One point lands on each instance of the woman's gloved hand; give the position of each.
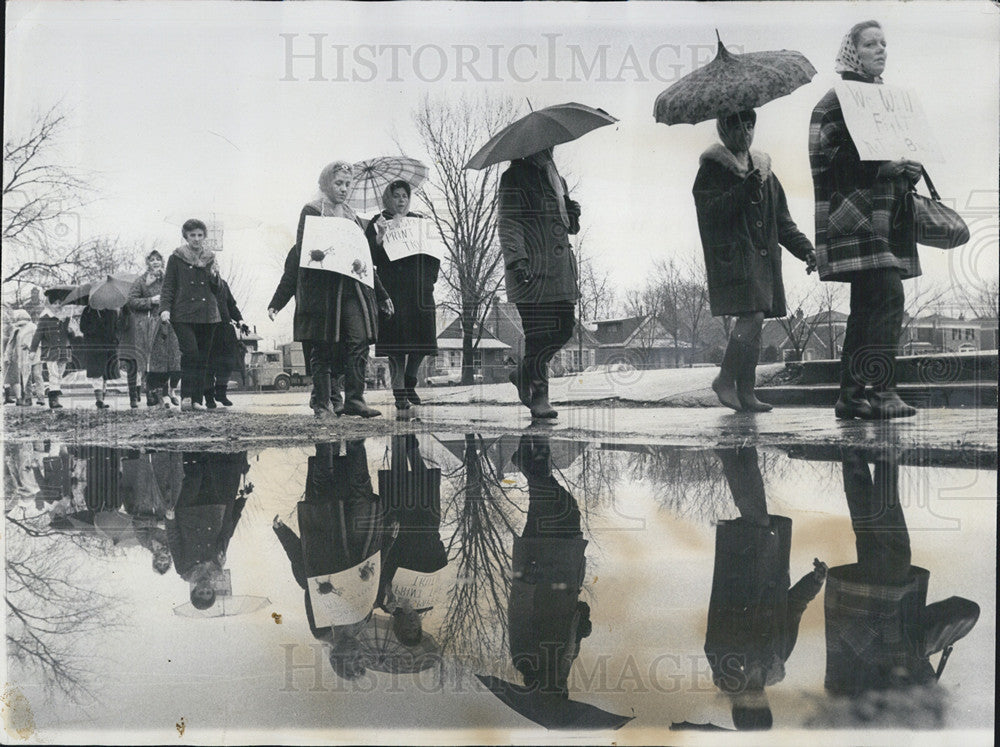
(522, 272)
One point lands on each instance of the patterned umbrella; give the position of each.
(539, 130)
(732, 83)
(372, 176)
(386, 654)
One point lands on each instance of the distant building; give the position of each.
(945, 334)
(825, 332)
(641, 341)
(581, 350)
(490, 356)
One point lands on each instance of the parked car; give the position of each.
(451, 377)
(608, 368)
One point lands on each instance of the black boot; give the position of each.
(887, 405)
(852, 402)
(210, 399)
(152, 397)
(134, 393)
(354, 388)
(746, 379)
(410, 384)
(521, 381)
(724, 385)
(321, 400)
(221, 391)
(54, 400)
(101, 404)
(336, 395)
(402, 401)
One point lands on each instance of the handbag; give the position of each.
(935, 223)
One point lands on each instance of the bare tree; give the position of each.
(830, 297)
(463, 206)
(922, 297)
(598, 298)
(693, 301)
(982, 298)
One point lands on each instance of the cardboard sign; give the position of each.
(337, 245)
(886, 123)
(413, 590)
(345, 597)
(407, 236)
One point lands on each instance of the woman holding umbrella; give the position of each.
(743, 217)
(411, 333)
(154, 342)
(857, 240)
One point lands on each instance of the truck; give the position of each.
(278, 369)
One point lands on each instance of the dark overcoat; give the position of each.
(318, 294)
(861, 220)
(740, 235)
(410, 284)
(530, 228)
(98, 350)
(149, 341)
(227, 351)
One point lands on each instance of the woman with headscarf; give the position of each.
(535, 218)
(858, 240)
(188, 303)
(154, 341)
(411, 333)
(743, 217)
(337, 315)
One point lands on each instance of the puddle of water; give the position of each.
(456, 581)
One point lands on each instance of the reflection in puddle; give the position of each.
(450, 580)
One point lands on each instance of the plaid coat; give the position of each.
(859, 220)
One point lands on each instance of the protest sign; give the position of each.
(345, 597)
(413, 590)
(338, 245)
(886, 123)
(407, 236)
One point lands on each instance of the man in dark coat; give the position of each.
(753, 615)
(744, 221)
(880, 631)
(341, 528)
(535, 219)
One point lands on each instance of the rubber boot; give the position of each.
(410, 384)
(321, 404)
(354, 389)
(746, 379)
(519, 378)
(887, 405)
(540, 406)
(210, 399)
(99, 398)
(134, 393)
(336, 395)
(852, 402)
(402, 401)
(152, 397)
(724, 385)
(221, 392)
(54, 400)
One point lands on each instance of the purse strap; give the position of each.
(930, 185)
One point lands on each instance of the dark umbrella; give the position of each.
(732, 83)
(539, 130)
(112, 292)
(552, 710)
(59, 293)
(79, 294)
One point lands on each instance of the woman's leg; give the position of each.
(321, 358)
(354, 354)
(397, 369)
(131, 367)
(885, 322)
(54, 388)
(747, 335)
(852, 402)
(724, 385)
(413, 361)
(37, 383)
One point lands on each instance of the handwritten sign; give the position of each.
(886, 122)
(345, 597)
(407, 236)
(337, 245)
(413, 590)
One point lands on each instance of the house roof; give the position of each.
(616, 331)
(450, 338)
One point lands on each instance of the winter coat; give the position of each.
(227, 351)
(151, 482)
(17, 355)
(98, 351)
(740, 236)
(188, 292)
(530, 228)
(51, 339)
(318, 294)
(753, 615)
(410, 284)
(149, 341)
(859, 223)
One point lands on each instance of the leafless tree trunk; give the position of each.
(463, 205)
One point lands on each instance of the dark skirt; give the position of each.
(98, 360)
(413, 327)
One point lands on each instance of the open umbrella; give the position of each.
(79, 294)
(59, 292)
(540, 130)
(225, 606)
(732, 83)
(112, 292)
(384, 653)
(551, 710)
(373, 175)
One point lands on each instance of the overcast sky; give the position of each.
(185, 108)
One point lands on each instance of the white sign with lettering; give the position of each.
(337, 245)
(886, 122)
(407, 236)
(345, 597)
(413, 590)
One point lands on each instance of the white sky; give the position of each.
(180, 108)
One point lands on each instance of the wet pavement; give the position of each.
(477, 582)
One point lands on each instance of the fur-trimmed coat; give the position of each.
(740, 234)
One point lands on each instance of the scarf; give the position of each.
(328, 209)
(204, 258)
(848, 61)
(153, 276)
(543, 162)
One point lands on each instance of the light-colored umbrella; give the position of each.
(386, 654)
(732, 83)
(225, 606)
(373, 175)
(538, 131)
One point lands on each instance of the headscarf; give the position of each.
(387, 194)
(848, 60)
(543, 161)
(152, 275)
(322, 203)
